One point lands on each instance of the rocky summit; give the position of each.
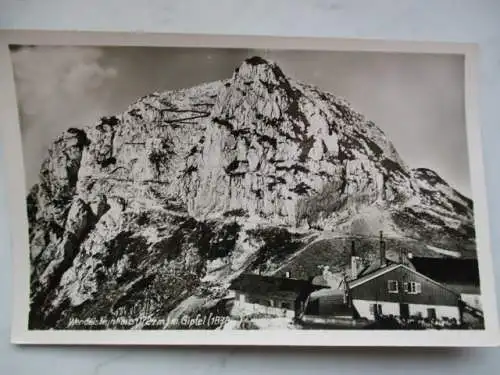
(155, 210)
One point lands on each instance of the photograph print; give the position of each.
(173, 188)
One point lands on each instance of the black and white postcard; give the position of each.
(245, 191)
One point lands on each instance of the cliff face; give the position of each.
(169, 200)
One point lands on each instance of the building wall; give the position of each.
(242, 306)
(449, 312)
(391, 308)
(363, 307)
(431, 293)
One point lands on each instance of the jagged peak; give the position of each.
(257, 60)
(258, 67)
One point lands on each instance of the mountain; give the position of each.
(153, 211)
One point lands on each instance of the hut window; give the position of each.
(413, 287)
(392, 286)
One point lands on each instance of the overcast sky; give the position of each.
(416, 99)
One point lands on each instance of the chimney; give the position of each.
(401, 256)
(354, 261)
(383, 261)
(345, 286)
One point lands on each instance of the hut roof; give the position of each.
(276, 286)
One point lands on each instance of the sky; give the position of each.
(416, 99)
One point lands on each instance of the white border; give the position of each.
(12, 156)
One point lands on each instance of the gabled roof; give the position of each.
(375, 266)
(373, 274)
(384, 270)
(270, 285)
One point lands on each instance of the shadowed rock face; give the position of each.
(173, 198)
